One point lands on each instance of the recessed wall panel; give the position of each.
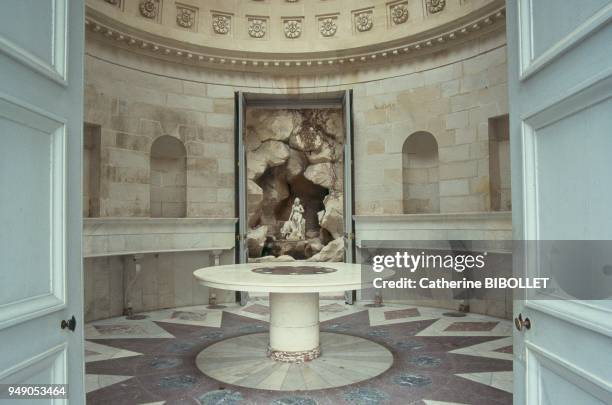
(562, 21)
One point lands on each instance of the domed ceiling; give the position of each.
(298, 34)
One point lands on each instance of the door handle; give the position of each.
(522, 324)
(70, 324)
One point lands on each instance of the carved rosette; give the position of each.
(328, 27)
(185, 17)
(148, 8)
(363, 21)
(399, 13)
(222, 24)
(257, 28)
(293, 357)
(435, 6)
(292, 28)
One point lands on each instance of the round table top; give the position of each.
(279, 277)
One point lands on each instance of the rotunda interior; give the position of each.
(292, 131)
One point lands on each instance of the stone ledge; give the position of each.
(123, 236)
(444, 226)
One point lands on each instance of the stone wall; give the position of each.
(162, 280)
(133, 109)
(451, 94)
(454, 103)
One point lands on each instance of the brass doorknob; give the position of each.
(522, 324)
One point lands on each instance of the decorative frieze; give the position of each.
(186, 16)
(363, 20)
(399, 13)
(328, 26)
(435, 6)
(150, 9)
(257, 27)
(292, 28)
(222, 24)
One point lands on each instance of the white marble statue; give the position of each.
(295, 227)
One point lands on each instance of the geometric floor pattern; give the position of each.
(436, 359)
(345, 360)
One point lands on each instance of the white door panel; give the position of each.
(43, 48)
(560, 85)
(39, 289)
(41, 118)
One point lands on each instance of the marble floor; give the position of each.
(437, 358)
(345, 360)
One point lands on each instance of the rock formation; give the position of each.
(294, 154)
(332, 252)
(256, 239)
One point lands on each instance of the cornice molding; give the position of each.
(100, 27)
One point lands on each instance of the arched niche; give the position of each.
(168, 178)
(420, 174)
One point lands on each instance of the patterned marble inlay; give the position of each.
(179, 347)
(242, 362)
(411, 380)
(426, 361)
(294, 400)
(402, 313)
(165, 363)
(471, 326)
(332, 308)
(257, 309)
(214, 335)
(501, 379)
(293, 270)
(366, 396)
(121, 329)
(494, 349)
(189, 316)
(218, 397)
(430, 365)
(177, 382)
(410, 345)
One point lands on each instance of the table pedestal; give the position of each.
(294, 327)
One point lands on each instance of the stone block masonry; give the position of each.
(133, 109)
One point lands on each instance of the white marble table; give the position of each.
(294, 289)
